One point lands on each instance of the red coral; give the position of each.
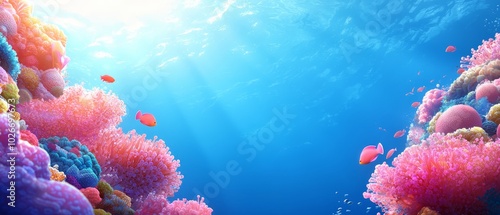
(29, 137)
(92, 195)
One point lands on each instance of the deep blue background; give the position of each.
(221, 68)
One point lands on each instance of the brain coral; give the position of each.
(456, 117)
(469, 80)
(74, 159)
(8, 25)
(35, 193)
(29, 79)
(488, 90)
(53, 81)
(445, 173)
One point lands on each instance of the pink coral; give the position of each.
(8, 25)
(445, 173)
(430, 105)
(29, 137)
(78, 114)
(456, 117)
(53, 81)
(489, 50)
(488, 90)
(157, 204)
(138, 165)
(415, 134)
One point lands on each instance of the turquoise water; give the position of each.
(267, 104)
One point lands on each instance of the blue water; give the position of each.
(268, 104)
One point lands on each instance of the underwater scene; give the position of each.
(239, 107)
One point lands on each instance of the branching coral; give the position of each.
(158, 204)
(430, 105)
(75, 111)
(137, 165)
(445, 173)
(489, 50)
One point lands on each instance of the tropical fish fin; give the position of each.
(138, 114)
(380, 149)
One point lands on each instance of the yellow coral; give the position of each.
(4, 106)
(16, 116)
(11, 93)
(472, 134)
(29, 79)
(494, 114)
(100, 212)
(432, 124)
(469, 80)
(55, 175)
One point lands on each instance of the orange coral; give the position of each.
(55, 175)
(34, 40)
(427, 211)
(123, 197)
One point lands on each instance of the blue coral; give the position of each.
(74, 159)
(8, 58)
(490, 127)
(492, 201)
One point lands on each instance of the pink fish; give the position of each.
(415, 104)
(146, 119)
(370, 153)
(450, 49)
(390, 153)
(399, 133)
(460, 71)
(420, 89)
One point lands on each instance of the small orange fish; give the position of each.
(146, 119)
(107, 78)
(415, 104)
(450, 49)
(460, 71)
(390, 153)
(370, 153)
(420, 89)
(399, 133)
